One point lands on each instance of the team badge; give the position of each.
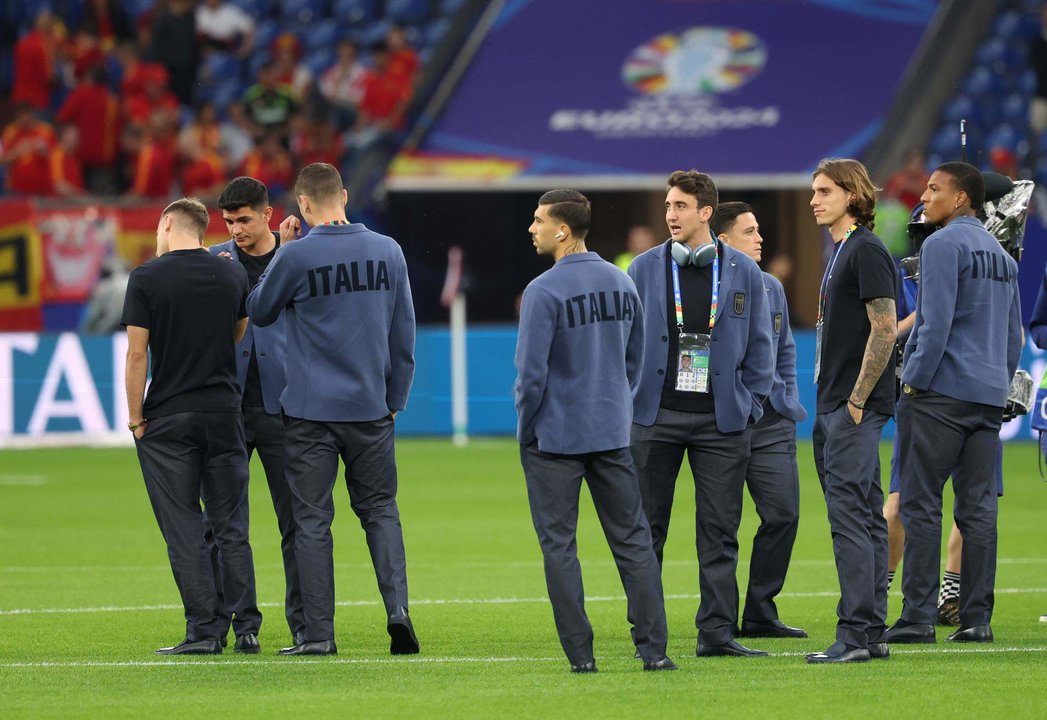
(739, 303)
(777, 323)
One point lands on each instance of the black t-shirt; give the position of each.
(190, 301)
(255, 265)
(696, 292)
(863, 271)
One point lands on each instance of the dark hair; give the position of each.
(190, 215)
(726, 214)
(695, 183)
(966, 178)
(244, 192)
(571, 208)
(320, 182)
(852, 176)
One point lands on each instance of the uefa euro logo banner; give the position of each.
(630, 89)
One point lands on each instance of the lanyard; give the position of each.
(716, 291)
(829, 273)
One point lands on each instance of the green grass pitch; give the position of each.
(86, 596)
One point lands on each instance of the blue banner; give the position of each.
(740, 87)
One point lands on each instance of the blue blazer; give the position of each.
(270, 345)
(578, 357)
(741, 358)
(784, 397)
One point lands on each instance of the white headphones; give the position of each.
(559, 236)
(701, 256)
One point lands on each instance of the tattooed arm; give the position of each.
(879, 351)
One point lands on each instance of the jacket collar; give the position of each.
(338, 229)
(587, 256)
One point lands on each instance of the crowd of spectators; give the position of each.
(135, 105)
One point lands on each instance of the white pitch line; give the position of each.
(23, 479)
(245, 662)
(444, 601)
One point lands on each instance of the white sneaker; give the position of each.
(1043, 618)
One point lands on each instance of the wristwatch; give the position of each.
(134, 426)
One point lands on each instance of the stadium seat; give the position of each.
(410, 12)
(265, 33)
(1007, 136)
(451, 7)
(1026, 83)
(374, 33)
(226, 94)
(355, 12)
(958, 108)
(322, 35)
(303, 11)
(999, 54)
(437, 31)
(218, 66)
(1014, 109)
(1008, 26)
(983, 81)
(319, 59)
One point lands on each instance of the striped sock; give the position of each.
(950, 587)
(890, 579)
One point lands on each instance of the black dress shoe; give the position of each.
(972, 633)
(207, 646)
(839, 653)
(730, 648)
(402, 640)
(773, 629)
(904, 632)
(318, 647)
(879, 651)
(247, 643)
(664, 664)
(637, 655)
(298, 637)
(586, 667)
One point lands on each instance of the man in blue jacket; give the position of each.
(260, 372)
(346, 300)
(772, 476)
(959, 361)
(854, 369)
(705, 301)
(578, 357)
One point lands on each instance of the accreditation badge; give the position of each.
(692, 373)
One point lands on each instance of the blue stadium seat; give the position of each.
(410, 12)
(324, 34)
(372, 34)
(946, 142)
(451, 7)
(1014, 109)
(1026, 83)
(258, 9)
(265, 33)
(355, 12)
(319, 60)
(958, 108)
(983, 81)
(226, 94)
(218, 66)
(303, 11)
(437, 31)
(1008, 26)
(999, 54)
(1007, 136)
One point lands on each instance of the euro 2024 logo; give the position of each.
(678, 74)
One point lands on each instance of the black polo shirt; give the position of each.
(255, 265)
(863, 271)
(190, 301)
(696, 289)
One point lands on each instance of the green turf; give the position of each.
(81, 555)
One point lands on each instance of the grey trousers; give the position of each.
(312, 451)
(264, 434)
(185, 458)
(774, 484)
(718, 462)
(940, 435)
(553, 486)
(847, 457)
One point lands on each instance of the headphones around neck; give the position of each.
(701, 256)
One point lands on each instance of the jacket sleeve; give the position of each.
(275, 289)
(939, 281)
(1038, 321)
(538, 313)
(401, 343)
(757, 367)
(635, 346)
(786, 361)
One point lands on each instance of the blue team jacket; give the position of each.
(346, 301)
(1038, 321)
(967, 338)
(784, 397)
(578, 357)
(741, 358)
(270, 345)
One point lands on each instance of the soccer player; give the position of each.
(578, 357)
(959, 361)
(856, 328)
(706, 300)
(260, 358)
(186, 307)
(350, 364)
(772, 475)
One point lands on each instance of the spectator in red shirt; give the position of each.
(155, 163)
(156, 99)
(202, 174)
(386, 95)
(67, 178)
(315, 140)
(403, 60)
(27, 144)
(342, 84)
(290, 71)
(34, 67)
(82, 51)
(907, 185)
(95, 111)
(270, 164)
(137, 75)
